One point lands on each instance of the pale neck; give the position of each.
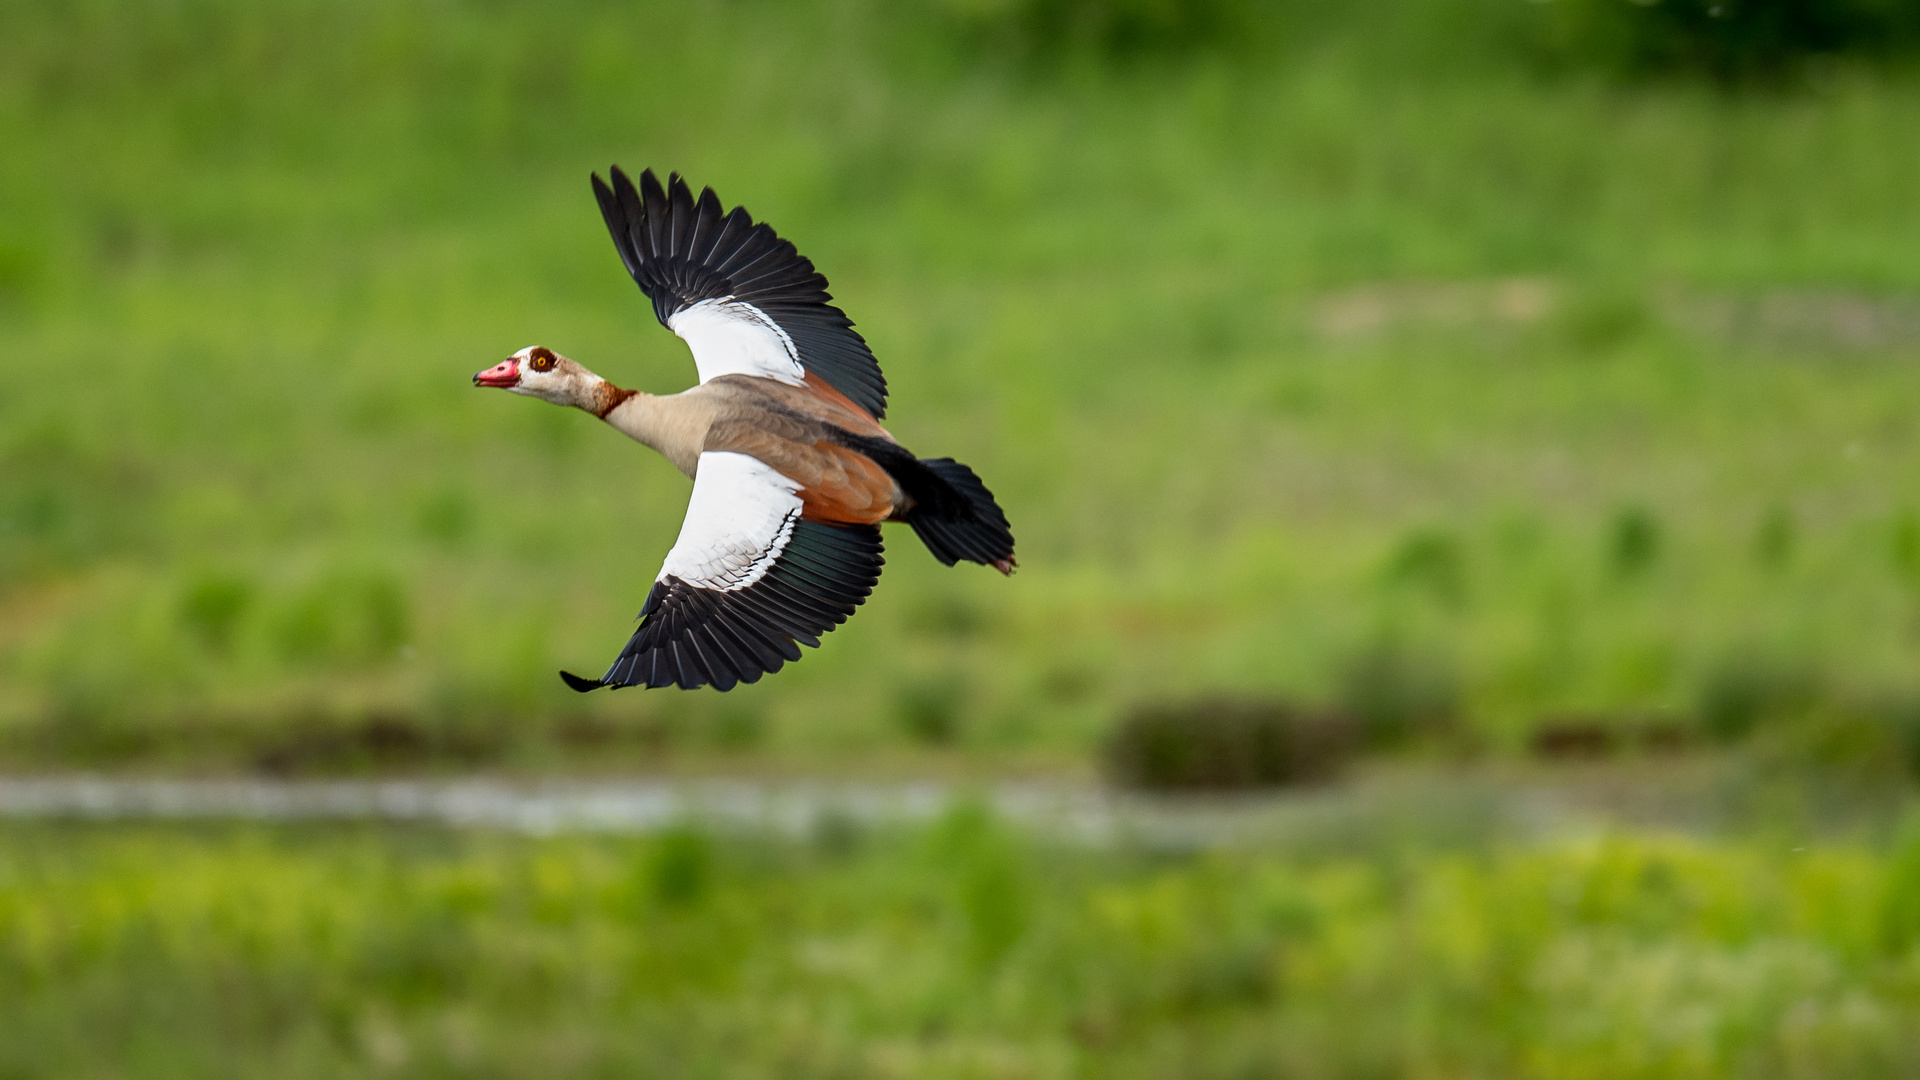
(674, 425)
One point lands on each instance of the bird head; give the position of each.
(537, 371)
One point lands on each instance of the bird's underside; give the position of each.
(793, 473)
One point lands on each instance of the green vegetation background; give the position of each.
(1506, 361)
(959, 950)
(1292, 337)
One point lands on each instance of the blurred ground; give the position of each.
(1424, 944)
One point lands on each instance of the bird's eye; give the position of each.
(542, 360)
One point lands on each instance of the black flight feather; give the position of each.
(681, 250)
(692, 636)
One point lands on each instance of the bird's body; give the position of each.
(792, 471)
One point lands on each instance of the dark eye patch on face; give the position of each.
(542, 359)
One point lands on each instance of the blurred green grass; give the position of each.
(1470, 366)
(958, 949)
(1354, 334)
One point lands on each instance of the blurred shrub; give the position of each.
(63, 499)
(1775, 538)
(20, 274)
(87, 723)
(652, 734)
(1595, 735)
(1068, 682)
(211, 608)
(946, 615)
(1732, 41)
(1903, 545)
(1599, 320)
(344, 618)
(1843, 737)
(378, 741)
(740, 725)
(838, 834)
(1226, 743)
(989, 880)
(446, 517)
(678, 872)
(1740, 694)
(1899, 899)
(930, 709)
(1561, 738)
(1901, 716)
(1633, 541)
(1398, 695)
(1049, 30)
(1430, 560)
(1598, 735)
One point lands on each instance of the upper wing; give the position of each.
(743, 299)
(746, 581)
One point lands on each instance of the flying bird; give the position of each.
(792, 472)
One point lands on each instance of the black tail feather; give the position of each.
(972, 528)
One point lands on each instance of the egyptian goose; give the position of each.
(792, 472)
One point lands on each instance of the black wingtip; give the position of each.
(580, 685)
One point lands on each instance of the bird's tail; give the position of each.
(967, 524)
(953, 512)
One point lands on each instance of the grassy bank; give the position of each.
(1591, 398)
(957, 950)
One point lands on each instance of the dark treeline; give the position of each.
(1730, 41)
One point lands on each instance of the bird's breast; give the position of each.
(676, 425)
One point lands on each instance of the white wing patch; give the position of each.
(729, 337)
(738, 522)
